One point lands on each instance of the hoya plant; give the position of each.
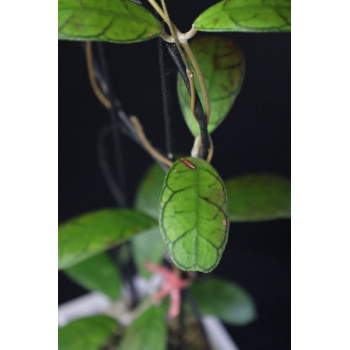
(179, 223)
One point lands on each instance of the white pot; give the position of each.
(97, 303)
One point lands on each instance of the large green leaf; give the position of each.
(246, 16)
(224, 299)
(120, 21)
(92, 233)
(88, 333)
(222, 65)
(193, 217)
(148, 332)
(147, 246)
(147, 195)
(98, 273)
(258, 197)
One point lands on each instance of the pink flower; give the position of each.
(172, 285)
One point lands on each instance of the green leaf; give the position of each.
(258, 197)
(193, 217)
(147, 195)
(222, 65)
(119, 21)
(98, 273)
(224, 299)
(89, 234)
(148, 332)
(88, 333)
(147, 246)
(246, 16)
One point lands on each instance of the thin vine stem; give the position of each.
(118, 153)
(107, 173)
(115, 107)
(147, 144)
(159, 10)
(200, 76)
(176, 35)
(164, 81)
(91, 72)
(202, 119)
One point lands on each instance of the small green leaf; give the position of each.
(148, 332)
(224, 299)
(246, 16)
(147, 246)
(258, 197)
(222, 65)
(88, 333)
(89, 234)
(119, 21)
(98, 273)
(147, 195)
(193, 217)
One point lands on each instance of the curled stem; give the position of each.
(147, 144)
(174, 33)
(92, 77)
(192, 92)
(180, 40)
(201, 80)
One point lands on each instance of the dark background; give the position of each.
(255, 137)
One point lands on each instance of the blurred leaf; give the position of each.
(88, 333)
(119, 21)
(148, 191)
(222, 65)
(147, 246)
(258, 197)
(246, 16)
(224, 299)
(89, 234)
(98, 273)
(148, 332)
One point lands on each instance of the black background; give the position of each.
(255, 137)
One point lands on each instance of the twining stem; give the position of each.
(90, 66)
(174, 33)
(200, 77)
(164, 81)
(159, 11)
(107, 173)
(106, 102)
(147, 144)
(211, 150)
(180, 41)
(192, 92)
(202, 120)
(119, 161)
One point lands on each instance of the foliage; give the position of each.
(98, 273)
(222, 63)
(224, 299)
(194, 215)
(119, 21)
(195, 206)
(88, 333)
(148, 332)
(246, 16)
(89, 234)
(258, 197)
